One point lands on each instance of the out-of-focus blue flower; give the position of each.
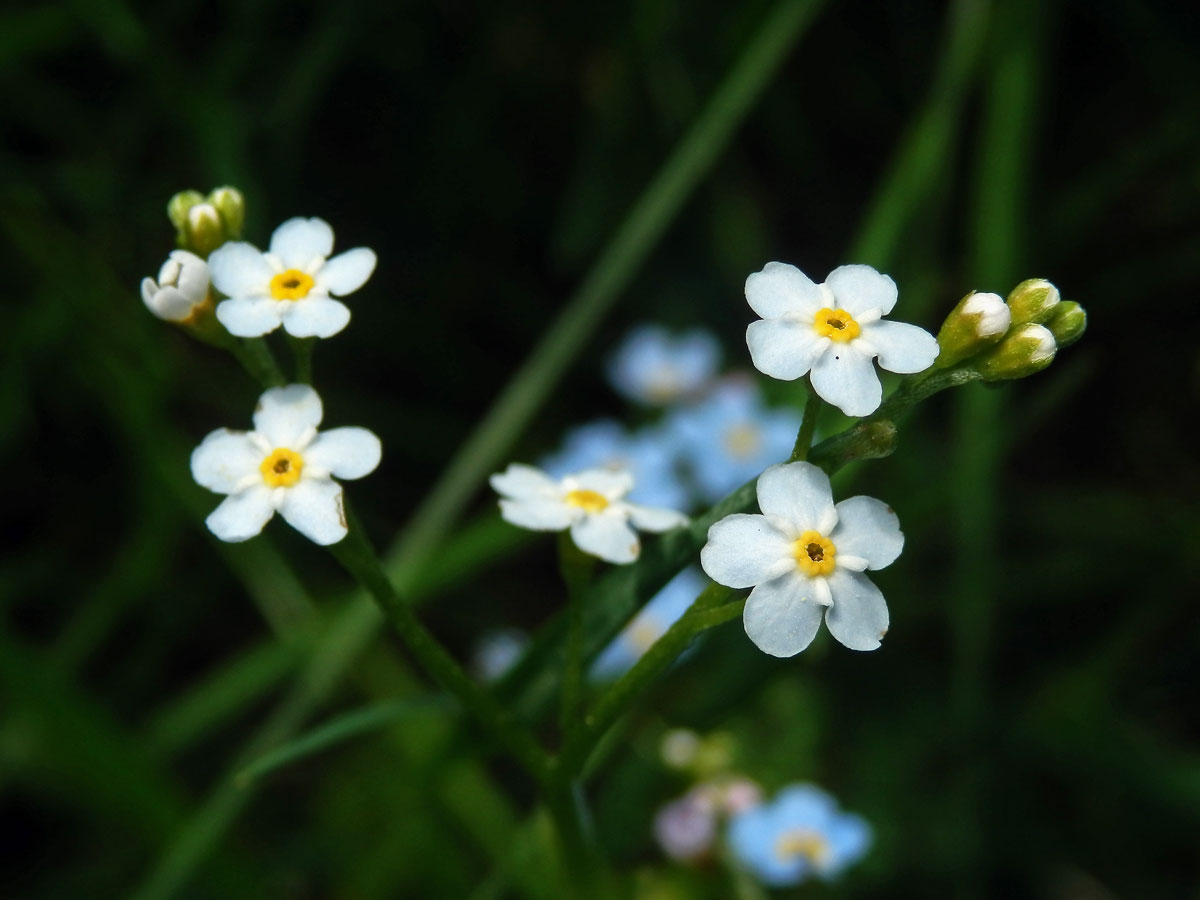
(649, 455)
(663, 611)
(654, 368)
(497, 651)
(799, 834)
(730, 437)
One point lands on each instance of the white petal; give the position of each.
(345, 452)
(797, 492)
(314, 508)
(315, 317)
(782, 348)
(845, 377)
(607, 536)
(285, 414)
(238, 269)
(902, 348)
(224, 459)
(347, 272)
(169, 303)
(868, 528)
(193, 274)
(652, 518)
(249, 316)
(298, 242)
(537, 513)
(781, 617)
(242, 515)
(780, 289)
(860, 288)
(610, 483)
(859, 615)
(744, 550)
(520, 480)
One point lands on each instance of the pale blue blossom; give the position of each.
(655, 368)
(801, 833)
(731, 436)
(648, 454)
(663, 611)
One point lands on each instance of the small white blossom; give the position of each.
(591, 504)
(291, 284)
(181, 288)
(833, 331)
(283, 465)
(805, 557)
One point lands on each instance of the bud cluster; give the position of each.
(202, 224)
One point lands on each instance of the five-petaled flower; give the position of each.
(181, 289)
(804, 557)
(291, 284)
(284, 464)
(799, 834)
(833, 331)
(591, 504)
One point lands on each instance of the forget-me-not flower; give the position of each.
(833, 331)
(651, 623)
(590, 503)
(799, 834)
(730, 436)
(654, 368)
(292, 284)
(805, 557)
(181, 289)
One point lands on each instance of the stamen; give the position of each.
(282, 468)
(291, 285)
(814, 554)
(836, 324)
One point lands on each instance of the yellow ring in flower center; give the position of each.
(802, 842)
(291, 285)
(282, 468)
(836, 324)
(588, 501)
(815, 554)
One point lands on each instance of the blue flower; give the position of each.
(663, 611)
(648, 455)
(653, 368)
(799, 834)
(730, 437)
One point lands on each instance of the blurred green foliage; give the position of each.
(1030, 727)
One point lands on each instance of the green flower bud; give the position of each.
(1032, 301)
(203, 232)
(978, 321)
(178, 206)
(1025, 350)
(231, 206)
(1067, 323)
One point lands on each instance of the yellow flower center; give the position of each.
(291, 285)
(814, 554)
(282, 468)
(742, 441)
(802, 842)
(836, 324)
(588, 501)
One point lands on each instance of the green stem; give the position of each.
(710, 609)
(808, 425)
(576, 568)
(302, 354)
(256, 358)
(587, 873)
(357, 556)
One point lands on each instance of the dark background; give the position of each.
(1029, 729)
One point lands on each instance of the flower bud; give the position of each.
(181, 289)
(178, 206)
(203, 232)
(231, 207)
(978, 321)
(1025, 350)
(1032, 301)
(1067, 323)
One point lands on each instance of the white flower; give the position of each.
(181, 288)
(833, 330)
(804, 557)
(284, 465)
(590, 503)
(289, 285)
